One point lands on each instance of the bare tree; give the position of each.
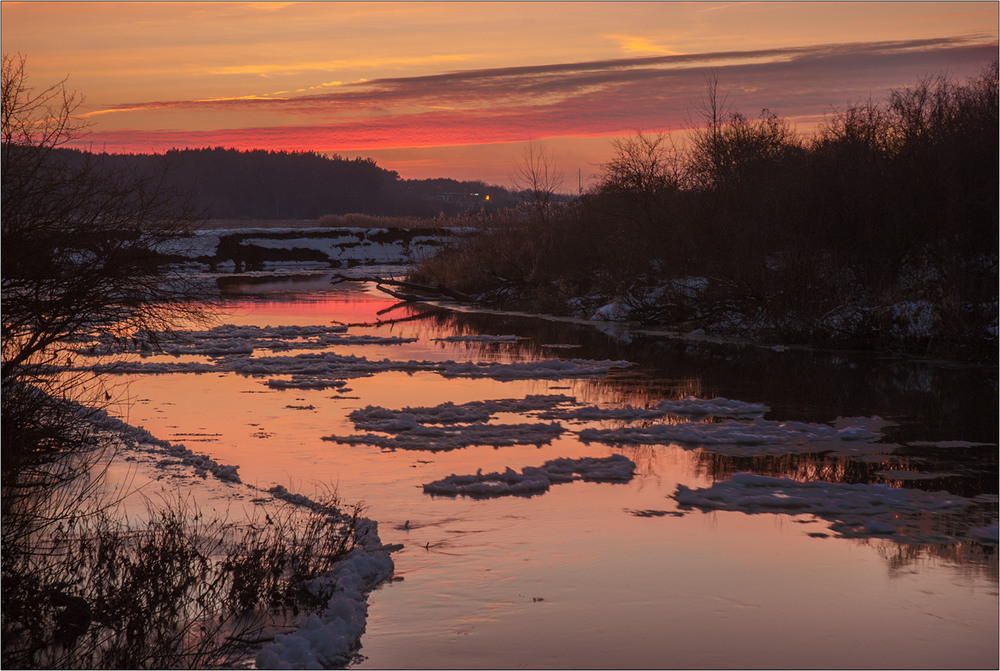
(727, 146)
(535, 174)
(81, 244)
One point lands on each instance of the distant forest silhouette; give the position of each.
(221, 183)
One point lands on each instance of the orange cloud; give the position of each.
(587, 98)
(632, 44)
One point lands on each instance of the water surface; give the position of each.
(603, 575)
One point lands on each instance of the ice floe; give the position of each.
(450, 426)
(947, 443)
(375, 418)
(309, 369)
(689, 406)
(853, 510)
(987, 535)
(454, 436)
(231, 340)
(535, 479)
(778, 437)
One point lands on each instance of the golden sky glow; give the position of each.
(452, 88)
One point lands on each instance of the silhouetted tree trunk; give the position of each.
(80, 251)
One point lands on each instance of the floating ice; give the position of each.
(947, 443)
(231, 340)
(792, 436)
(375, 418)
(451, 437)
(334, 366)
(534, 480)
(987, 535)
(454, 426)
(715, 407)
(689, 406)
(854, 510)
(507, 483)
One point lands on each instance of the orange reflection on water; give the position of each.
(571, 577)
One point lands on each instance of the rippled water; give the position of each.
(594, 574)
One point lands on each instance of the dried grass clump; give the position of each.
(94, 589)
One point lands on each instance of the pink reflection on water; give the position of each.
(569, 578)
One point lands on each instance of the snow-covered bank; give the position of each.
(329, 638)
(257, 248)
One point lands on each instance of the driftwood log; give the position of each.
(408, 291)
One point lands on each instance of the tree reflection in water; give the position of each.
(925, 401)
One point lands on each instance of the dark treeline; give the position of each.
(223, 183)
(878, 231)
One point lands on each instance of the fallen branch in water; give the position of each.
(383, 322)
(429, 293)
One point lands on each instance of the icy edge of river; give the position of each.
(326, 638)
(329, 638)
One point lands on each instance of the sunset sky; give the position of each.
(454, 89)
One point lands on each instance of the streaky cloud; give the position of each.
(565, 99)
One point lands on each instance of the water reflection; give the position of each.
(621, 562)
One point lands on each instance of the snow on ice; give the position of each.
(229, 340)
(853, 510)
(689, 406)
(745, 436)
(454, 436)
(308, 368)
(535, 479)
(449, 426)
(375, 418)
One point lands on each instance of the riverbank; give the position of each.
(877, 232)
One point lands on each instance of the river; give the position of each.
(677, 567)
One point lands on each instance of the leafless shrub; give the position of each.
(173, 590)
(538, 178)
